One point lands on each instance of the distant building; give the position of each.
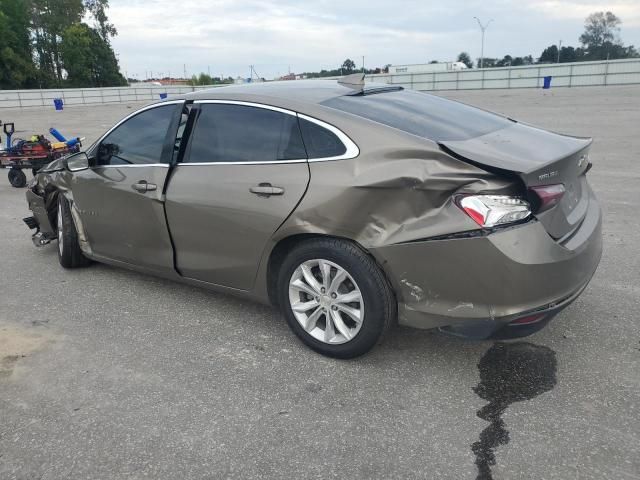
(427, 67)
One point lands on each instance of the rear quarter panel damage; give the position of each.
(399, 190)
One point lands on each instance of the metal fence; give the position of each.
(89, 96)
(613, 72)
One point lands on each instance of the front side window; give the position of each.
(241, 133)
(139, 140)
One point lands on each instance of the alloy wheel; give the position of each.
(326, 301)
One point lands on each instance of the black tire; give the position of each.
(17, 178)
(380, 307)
(69, 253)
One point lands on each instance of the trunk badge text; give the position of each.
(544, 176)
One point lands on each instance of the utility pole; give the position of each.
(184, 69)
(363, 64)
(559, 47)
(482, 29)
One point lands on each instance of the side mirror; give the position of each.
(77, 162)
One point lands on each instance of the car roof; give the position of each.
(306, 91)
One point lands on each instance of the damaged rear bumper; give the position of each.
(481, 286)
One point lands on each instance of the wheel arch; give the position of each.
(286, 244)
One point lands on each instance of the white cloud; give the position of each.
(228, 36)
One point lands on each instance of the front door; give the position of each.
(243, 172)
(120, 199)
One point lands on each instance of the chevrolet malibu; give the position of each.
(349, 206)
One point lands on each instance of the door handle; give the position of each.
(266, 190)
(143, 186)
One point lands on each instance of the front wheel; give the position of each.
(335, 297)
(69, 253)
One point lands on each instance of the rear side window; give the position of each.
(421, 114)
(320, 142)
(240, 133)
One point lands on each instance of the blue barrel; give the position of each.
(163, 96)
(546, 84)
(57, 135)
(58, 103)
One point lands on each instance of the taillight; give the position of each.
(493, 210)
(548, 195)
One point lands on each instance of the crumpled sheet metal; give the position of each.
(391, 196)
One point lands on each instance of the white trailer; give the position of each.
(427, 67)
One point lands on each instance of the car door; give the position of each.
(242, 173)
(120, 198)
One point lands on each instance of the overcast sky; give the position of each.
(274, 35)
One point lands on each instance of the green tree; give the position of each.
(487, 62)
(466, 59)
(600, 28)
(98, 10)
(507, 61)
(205, 79)
(88, 59)
(348, 66)
(549, 55)
(16, 65)
(570, 54)
(49, 19)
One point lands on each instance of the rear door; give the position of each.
(119, 200)
(242, 173)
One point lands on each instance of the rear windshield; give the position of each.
(421, 114)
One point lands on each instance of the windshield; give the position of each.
(421, 114)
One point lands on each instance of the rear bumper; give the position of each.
(476, 286)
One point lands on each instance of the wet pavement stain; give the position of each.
(509, 372)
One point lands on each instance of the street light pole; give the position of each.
(482, 29)
(559, 47)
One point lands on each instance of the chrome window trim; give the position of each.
(143, 109)
(248, 104)
(133, 165)
(352, 149)
(266, 162)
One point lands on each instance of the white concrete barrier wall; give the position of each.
(614, 72)
(89, 96)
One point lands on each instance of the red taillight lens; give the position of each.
(548, 195)
(493, 210)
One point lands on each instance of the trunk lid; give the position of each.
(538, 157)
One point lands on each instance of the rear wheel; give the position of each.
(69, 253)
(17, 178)
(335, 298)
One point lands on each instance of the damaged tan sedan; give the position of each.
(350, 207)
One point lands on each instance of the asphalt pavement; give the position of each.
(106, 373)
